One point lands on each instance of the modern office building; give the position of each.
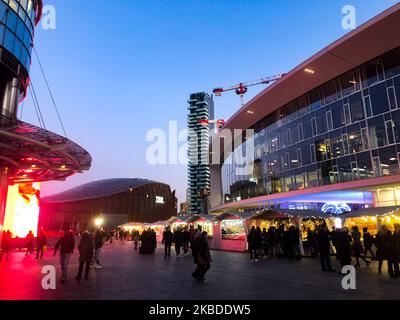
(201, 108)
(117, 201)
(327, 135)
(28, 154)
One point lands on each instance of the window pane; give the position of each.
(348, 82)
(388, 161)
(355, 140)
(338, 116)
(391, 62)
(364, 165)
(356, 107)
(379, 99)
(377, 132)
(330, 92)
(369, 75)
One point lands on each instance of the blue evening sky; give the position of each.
(120, 68)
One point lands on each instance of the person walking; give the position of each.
(168, 238)
(258, 243)
(203, 258)
(5, 244)
(357, 247)
(193, 233)
(153, 236)
(324, 247)
(273, 243)
(85, 248)
(368, 243)
(136, 238)
(98, 244)
(41, 245)
(178, 242)
(384, 243)
(66, 244)
(252, 242)
(29, 243)
(185, 241)
(344, 247)
(264, 243)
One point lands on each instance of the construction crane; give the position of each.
(241, 88)
(220, 122)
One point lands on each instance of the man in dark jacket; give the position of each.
(29, 243)
(98, 244)
(368, 242)
(384, 243)
(178, 241)
(5, 244)
(324, 247)
(66, 244)
(41, 244)
(168, 238)
(85, 255)
(203, 259)
(252, 243)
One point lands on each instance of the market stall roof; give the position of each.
(286, 213)
(196, 217)
(134, 224)
(237, 215)
(183, 218)
(160, 223)
(370, 212)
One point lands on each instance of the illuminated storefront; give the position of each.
(22, 209)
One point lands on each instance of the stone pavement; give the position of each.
(127, 275)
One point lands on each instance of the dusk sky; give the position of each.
(120, 68)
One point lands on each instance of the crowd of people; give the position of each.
(186, 239)
(89, 248)
(343, 243)
(274, 242)
(29, 244)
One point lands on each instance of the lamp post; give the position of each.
(98, 222)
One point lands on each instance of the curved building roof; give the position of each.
(370, 40)
(97, 189)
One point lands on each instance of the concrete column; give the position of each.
(9, 103)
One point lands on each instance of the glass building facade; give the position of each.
(345, 130)
(17, 22)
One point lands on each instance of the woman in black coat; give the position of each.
(358, 247)
(384, 243)
(344, 247)
(253, 242)
(85, 248)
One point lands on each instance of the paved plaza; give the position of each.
(128, 275)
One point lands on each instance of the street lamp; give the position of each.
(98, 222)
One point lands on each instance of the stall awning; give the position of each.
(286, 213)
(207, 217)
(370, 212)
